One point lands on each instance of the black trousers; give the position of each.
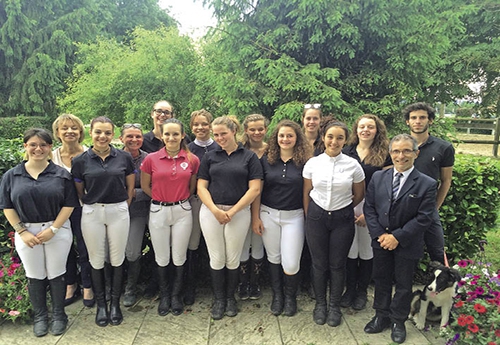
(389, 266)
(434, 239)
(329, 235)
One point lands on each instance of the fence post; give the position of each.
(497, 136)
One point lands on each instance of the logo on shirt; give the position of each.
(184, 165)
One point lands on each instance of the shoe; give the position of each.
(334, 317)
(377, 324)
(101, 314)
(398, 332)
(360, 301)
(37, 290)
(319, 314)
(231, 307)
(72, 299)
(254, 291)
(89, 303)
(219, 290)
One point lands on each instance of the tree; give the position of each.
(124, 81)
(37, 44)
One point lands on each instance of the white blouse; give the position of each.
(332, 180)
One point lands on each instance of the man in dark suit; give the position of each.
(399, 205)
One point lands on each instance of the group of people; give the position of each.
(364, 206)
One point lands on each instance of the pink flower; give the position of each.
(14, 313)
(462, 263)
(19, 297)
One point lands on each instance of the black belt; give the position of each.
(161, 203)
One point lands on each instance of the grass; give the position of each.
(492, 249)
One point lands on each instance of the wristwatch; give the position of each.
(54, 229)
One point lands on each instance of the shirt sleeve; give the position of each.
(195, 161)
(70, 194)
(255, 168)
(5, 200)
(77, 168)
(146, 165)
(448, 157)
(359, 174)
(130, 164)
(204, 170)
(308, 169)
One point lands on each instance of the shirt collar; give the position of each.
(92, 154)
(164, 155)
(405, 173)
(239, 147)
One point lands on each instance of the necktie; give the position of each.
(395, 185)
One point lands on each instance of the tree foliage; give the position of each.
(124, 81)
(37, 44)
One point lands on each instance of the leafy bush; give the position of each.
(470, 209)
(14, 127)
(14, 300)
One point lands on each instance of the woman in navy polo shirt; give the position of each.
(228, 182)
(104, 178)
(278, 214)
(200, 123)
(37, 198)
(333, 186)
(169, 178)
(252, 256)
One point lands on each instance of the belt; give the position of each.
(161, 203)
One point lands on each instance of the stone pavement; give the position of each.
(253, 325)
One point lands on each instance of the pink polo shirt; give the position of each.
(170, 176)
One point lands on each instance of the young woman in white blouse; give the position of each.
(333, 186)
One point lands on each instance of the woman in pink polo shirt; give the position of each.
(169, 178)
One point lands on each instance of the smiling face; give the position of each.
(256, 130)
(172, 136)
(37, 149)
(132, 139)
(402, 154)
(69, 132)
(418, 121)
(335, 139)
(311, 120)
(366, 130)
(287, 138)
(201, 128)
(161, 112)
(224, 136)
(102, 133)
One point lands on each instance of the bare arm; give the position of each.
(444, 187)
(257, 225)
(28, 238)
(307, 189)
(130, 182)
(358, 192)
(247, 198)
(192, 184)
(80, 189)
(146, 183)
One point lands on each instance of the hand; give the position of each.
(222, 216)
(257, 227)
(29, 239)
(360, 220)
(45, 235)
(388, 241)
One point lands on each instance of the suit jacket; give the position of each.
(408, 217)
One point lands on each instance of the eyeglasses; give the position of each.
(131, 125)
(161, 111)
(405, 152)
(312, 106)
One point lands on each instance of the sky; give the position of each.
(194, 19)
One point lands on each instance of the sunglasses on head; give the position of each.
(312, 106)
(132, 125)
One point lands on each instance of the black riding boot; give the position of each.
(130, 295)
(364, 278)
(244, 285)
(276, 272)
(164, 284)
(177, 305)
(291, 286)
(336, 287)
(231, 284)
(319, 285)
(351, 282)
(219, 287)
(115, 313)
(254, 287)
(190, 282)
(37, 290)
(99, 286)
(58, 294)
(108, 277)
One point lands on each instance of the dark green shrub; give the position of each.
(14, 127)
(471, 207)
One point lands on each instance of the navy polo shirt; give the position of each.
(228, 176)
(435, 154)
(367, 168)
(150, 143)
(104, 181)
(200, 151)
(40, 200)
(283, 185)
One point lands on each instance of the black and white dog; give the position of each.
(439, 292)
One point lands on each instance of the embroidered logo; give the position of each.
(184, 165)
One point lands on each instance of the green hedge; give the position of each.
(471, 207)
(14, 127)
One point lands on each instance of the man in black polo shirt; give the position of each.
(436, 160)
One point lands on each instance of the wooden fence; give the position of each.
(492, 125)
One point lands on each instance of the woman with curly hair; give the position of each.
(278, 215)
(370, 147)
(252, 257)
